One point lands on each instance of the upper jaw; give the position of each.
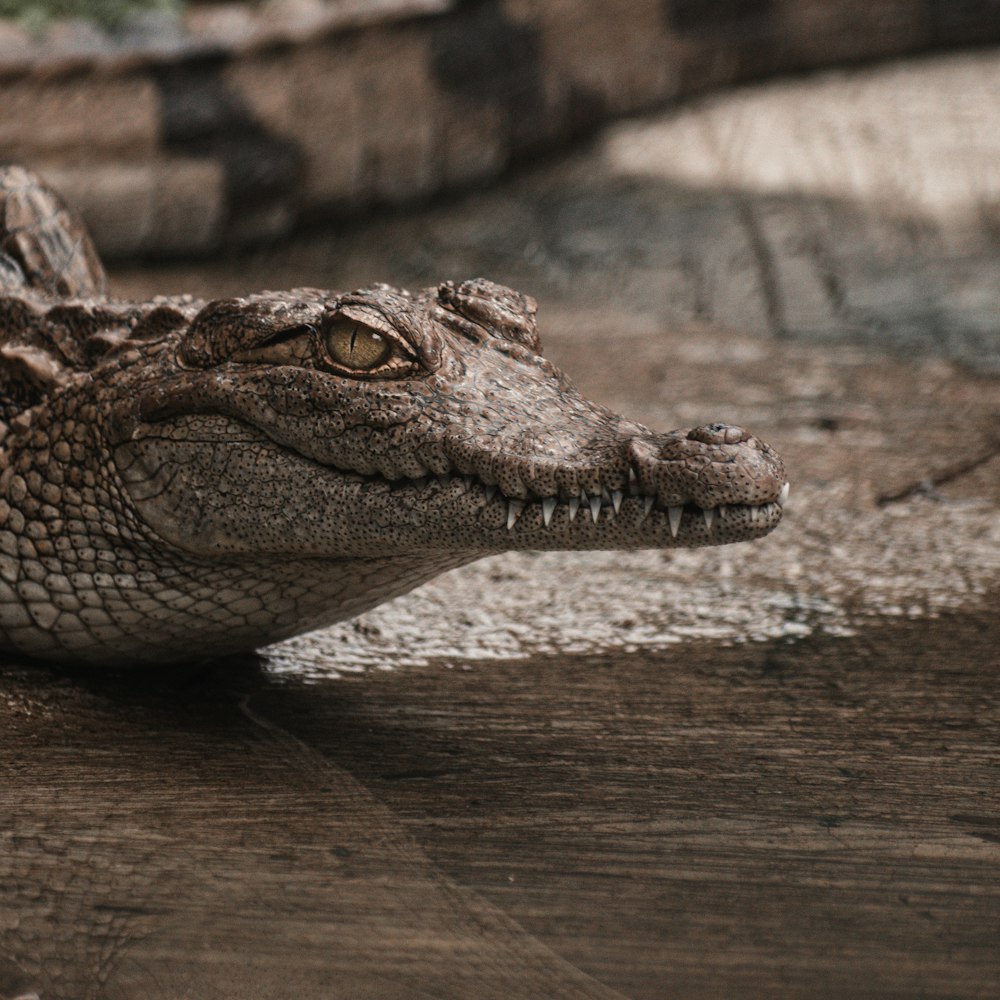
(704, 486)
(707, 485)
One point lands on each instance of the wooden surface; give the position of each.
(817, 819)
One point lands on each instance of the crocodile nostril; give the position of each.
(718, 434)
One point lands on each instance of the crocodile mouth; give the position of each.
(220, 504)
(685, 523)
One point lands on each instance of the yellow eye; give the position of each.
(355, 346)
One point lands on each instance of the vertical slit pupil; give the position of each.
(355, 345)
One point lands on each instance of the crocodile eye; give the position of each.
(357, 347)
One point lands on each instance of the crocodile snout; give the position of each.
(711, 466)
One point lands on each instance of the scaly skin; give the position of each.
(182, 478)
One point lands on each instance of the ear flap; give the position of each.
(226, 327)
(499, 310)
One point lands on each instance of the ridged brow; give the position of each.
(227, 327)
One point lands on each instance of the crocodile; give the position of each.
(186, 478)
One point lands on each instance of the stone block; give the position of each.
(80, 116)
(602, 59)
(820, 33)
(361, 108)
(310, 97)
(472, 142)
(400, 109)
(133, 208)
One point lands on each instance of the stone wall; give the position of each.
(246, 120)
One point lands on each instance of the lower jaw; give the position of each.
(472, 525)
(632, 525)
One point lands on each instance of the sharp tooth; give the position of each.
(674, 513)
(468, 482)
(605, 495)
(754, 511)
(444, 481)
(647, 504)
(574, 506)
(491, 492)
(595, 507)
(722, 510)
(709, 515)
(548, 506)
(514, 509)
(616, 499)
(633, 481)
(783, 495)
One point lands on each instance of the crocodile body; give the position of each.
(196, 478)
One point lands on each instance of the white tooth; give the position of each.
(595, 507)
(574, 506)
(647, 503)
(616, 499)
(548, 507)
(722, 510)
(674, 513)
(633, 481)
(783, 495)
(514, 509)
(468, 482)
(709, 515)
(491, 492)
(754, 511)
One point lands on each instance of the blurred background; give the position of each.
(763, 770)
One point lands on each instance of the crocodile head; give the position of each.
(381, 423)
(270, 464)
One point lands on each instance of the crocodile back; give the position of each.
(43, 246)
(55, 318)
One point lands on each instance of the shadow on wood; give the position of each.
(787, 819)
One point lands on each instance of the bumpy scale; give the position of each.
(183, 478)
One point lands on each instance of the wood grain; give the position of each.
(785, 820)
